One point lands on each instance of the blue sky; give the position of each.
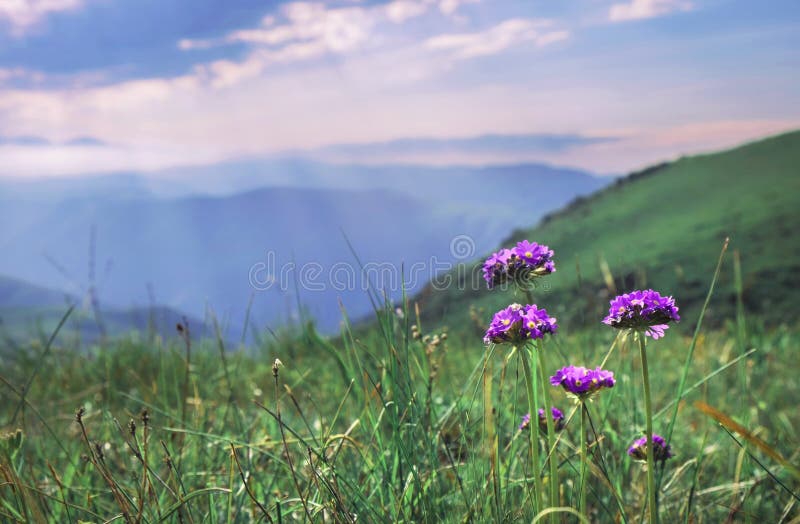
(94, 86)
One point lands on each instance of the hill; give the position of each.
(28, 310)
(663, 228)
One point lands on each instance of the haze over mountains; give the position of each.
(213, 236)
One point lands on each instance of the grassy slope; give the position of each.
(664, 228)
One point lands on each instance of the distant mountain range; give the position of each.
(28, 310)
(277, 232)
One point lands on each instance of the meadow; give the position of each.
(397, 421)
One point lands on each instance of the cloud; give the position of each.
(39, 141)
(338, 30)
(639, 9)
(24, 140)
(75, 160)
(497, 38)
(22, 15)
(639, 147)
(309, 30)
(449, 7)
(430, 149)
(399, 11)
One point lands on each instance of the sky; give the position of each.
(102, 86)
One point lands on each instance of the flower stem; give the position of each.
(491, 430)
(648, 408)
(584, 463)
(533, 427)
(551, 433)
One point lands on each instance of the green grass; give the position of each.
(387, 427)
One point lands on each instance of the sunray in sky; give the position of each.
(99, 86)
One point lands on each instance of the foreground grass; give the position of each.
(386, 427)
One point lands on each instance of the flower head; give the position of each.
(661, 451)
(583, 382)
(517, 324)
(525, 261)
(558, 420)
(495, 268)
(536, 322)
(644, 310)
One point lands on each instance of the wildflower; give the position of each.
(661, 451)
(536, 322)
(516, 324)
(558, 420)
(527, 260)
(537, 257)
(583, 382)
(495, 268)
(644, 311)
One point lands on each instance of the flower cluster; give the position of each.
(661, 450)
(558, 420)
(642, 311)
(525, 261)
(645, 311)
(583, 382)
(516, 324)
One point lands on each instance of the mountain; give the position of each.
(663, 228)
(17, 293)
(27, 310)
(290, 240)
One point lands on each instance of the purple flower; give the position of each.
(533, 254)
(516, 324)
(495, 269)
(644, 311)
(661, 451)
(536, 322)
(527, 260)
(558, 420)
(583, 382)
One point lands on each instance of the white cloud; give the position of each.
(449, 7)
(638, 9)
(22, 15)
(498, 38)
(399, 11)
(19, 73)
(338, 29)
(310, 30)
(303, 31)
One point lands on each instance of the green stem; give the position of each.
(648, 408)
(491, 431)
(533, 427)
(551, 432)
(584, 462)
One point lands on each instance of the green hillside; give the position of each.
(663, 228)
